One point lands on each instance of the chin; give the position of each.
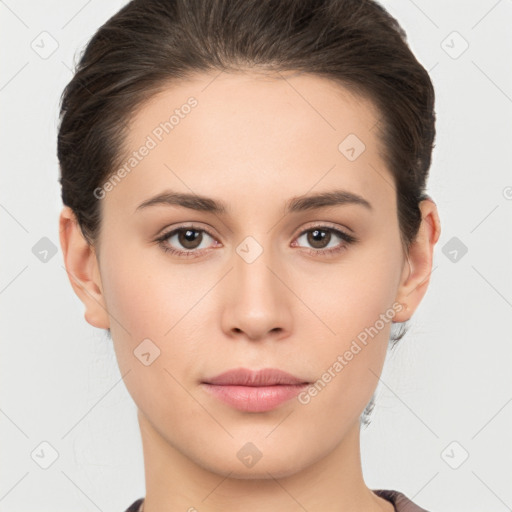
(261, 471)
(246, 462)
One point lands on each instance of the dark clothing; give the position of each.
(400, 501)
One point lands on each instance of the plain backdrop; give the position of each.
(440, 432)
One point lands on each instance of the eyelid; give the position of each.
(186, 225)
(325, 224)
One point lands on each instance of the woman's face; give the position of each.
(266, 282)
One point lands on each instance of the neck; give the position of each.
(333, 483)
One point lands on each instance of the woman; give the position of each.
(245, 213)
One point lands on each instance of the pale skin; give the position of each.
(254, 143)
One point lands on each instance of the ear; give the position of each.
(81, 265)
(416, 277)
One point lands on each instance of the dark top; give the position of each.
(400, 501)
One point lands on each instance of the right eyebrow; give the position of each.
(192, 201)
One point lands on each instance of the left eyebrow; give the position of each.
(296, 204)
(328, 198)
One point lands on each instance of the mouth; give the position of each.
(254, 391)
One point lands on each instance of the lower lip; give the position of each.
(255, 398)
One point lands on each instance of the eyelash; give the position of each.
(348, 239)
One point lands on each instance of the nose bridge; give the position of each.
(253, 262)
(258, 302)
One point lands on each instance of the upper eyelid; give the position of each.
(166, 233)
(322, 225)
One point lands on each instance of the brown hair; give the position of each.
(149, 43)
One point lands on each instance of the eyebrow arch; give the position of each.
(323, 199)
(295, 204)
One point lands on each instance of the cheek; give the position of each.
(351, 296)
(352, 322)
(141, 293)
(149, 302)
(150, 330)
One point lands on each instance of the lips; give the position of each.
(264, 377)
(254, 391)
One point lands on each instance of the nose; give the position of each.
(257, 301)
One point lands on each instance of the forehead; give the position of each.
(296, 106)
(252, 133)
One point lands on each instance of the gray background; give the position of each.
(446, 391)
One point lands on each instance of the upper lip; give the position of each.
(246, 377)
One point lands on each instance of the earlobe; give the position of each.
(81, 265)
(418, 262)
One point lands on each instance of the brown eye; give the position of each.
(320, 238)
(185, 241)
(189, 238)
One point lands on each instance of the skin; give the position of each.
(254, 142)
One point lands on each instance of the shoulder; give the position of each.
(134, 507)
(400, 501)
